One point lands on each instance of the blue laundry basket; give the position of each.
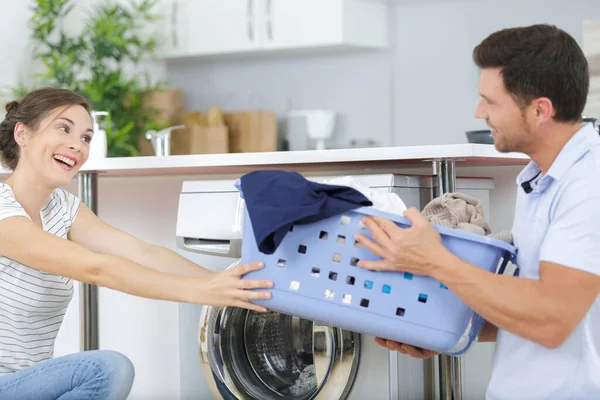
(315, 277)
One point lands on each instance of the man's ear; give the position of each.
(20, 134)
(544, 109)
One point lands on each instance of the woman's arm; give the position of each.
(26, 243)
(91, 232)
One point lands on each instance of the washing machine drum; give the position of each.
(262, 356)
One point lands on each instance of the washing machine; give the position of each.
(228, 353)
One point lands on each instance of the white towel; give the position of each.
(382, 201)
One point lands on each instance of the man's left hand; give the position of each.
(415, 250)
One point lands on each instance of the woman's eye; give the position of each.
(86, 139)
(64, 128)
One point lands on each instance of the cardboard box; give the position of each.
(198, 139)
(251, 131)
(145, 146)
(243, 132)
(168, 104)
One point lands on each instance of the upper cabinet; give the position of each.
(196, 28)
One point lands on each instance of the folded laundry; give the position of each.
(460, 211)
(502, 235)
(276, 200)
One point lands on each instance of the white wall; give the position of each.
(17, 47)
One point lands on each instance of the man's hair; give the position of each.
(539, 61)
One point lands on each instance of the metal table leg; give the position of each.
(88, 303)
(450, 374)
(393, 375)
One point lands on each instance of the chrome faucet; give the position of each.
(161, 140)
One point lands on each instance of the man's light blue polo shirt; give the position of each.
(559, 222)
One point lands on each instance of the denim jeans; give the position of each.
(90, 375)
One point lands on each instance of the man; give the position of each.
(546, 322)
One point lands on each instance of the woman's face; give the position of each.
(59, 147)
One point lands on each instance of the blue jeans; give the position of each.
(91, 375)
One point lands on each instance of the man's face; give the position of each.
(502, 113)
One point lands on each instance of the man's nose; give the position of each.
(480, 110)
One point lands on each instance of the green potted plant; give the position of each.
(102, 62)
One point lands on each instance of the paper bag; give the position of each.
(251, 131)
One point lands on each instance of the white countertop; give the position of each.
(414, 156)
(321, 160)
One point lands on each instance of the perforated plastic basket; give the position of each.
(316, 277)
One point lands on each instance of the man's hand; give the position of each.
(412, 351)
(415, 250)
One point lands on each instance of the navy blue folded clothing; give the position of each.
(276, 200)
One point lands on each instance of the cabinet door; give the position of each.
(300, 23)
(172, 27)
(208, 27)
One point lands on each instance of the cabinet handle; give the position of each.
(174, 7)
(249, 19)
(269, 19)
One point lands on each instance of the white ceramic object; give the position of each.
(320, 124)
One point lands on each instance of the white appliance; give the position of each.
(319, 125)
(230, 353)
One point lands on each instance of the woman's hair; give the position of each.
(30, 111)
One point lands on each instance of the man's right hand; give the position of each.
(412, 351)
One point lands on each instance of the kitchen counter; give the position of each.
(322, 160)
(311, 160)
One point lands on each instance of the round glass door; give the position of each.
(276, 356)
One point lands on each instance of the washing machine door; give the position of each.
(261, 356)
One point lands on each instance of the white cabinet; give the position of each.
(303, 23)
(297, 23)
(201, 27)
(196, 28)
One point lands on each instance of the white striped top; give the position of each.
(33, 303)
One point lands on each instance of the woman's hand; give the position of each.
(416, 250)
(227, 288)
(415, 352)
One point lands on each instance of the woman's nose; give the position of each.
(75, 145)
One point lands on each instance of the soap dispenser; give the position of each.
(98, 146)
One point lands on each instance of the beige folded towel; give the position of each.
(459, 211)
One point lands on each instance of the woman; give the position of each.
(45, 139)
